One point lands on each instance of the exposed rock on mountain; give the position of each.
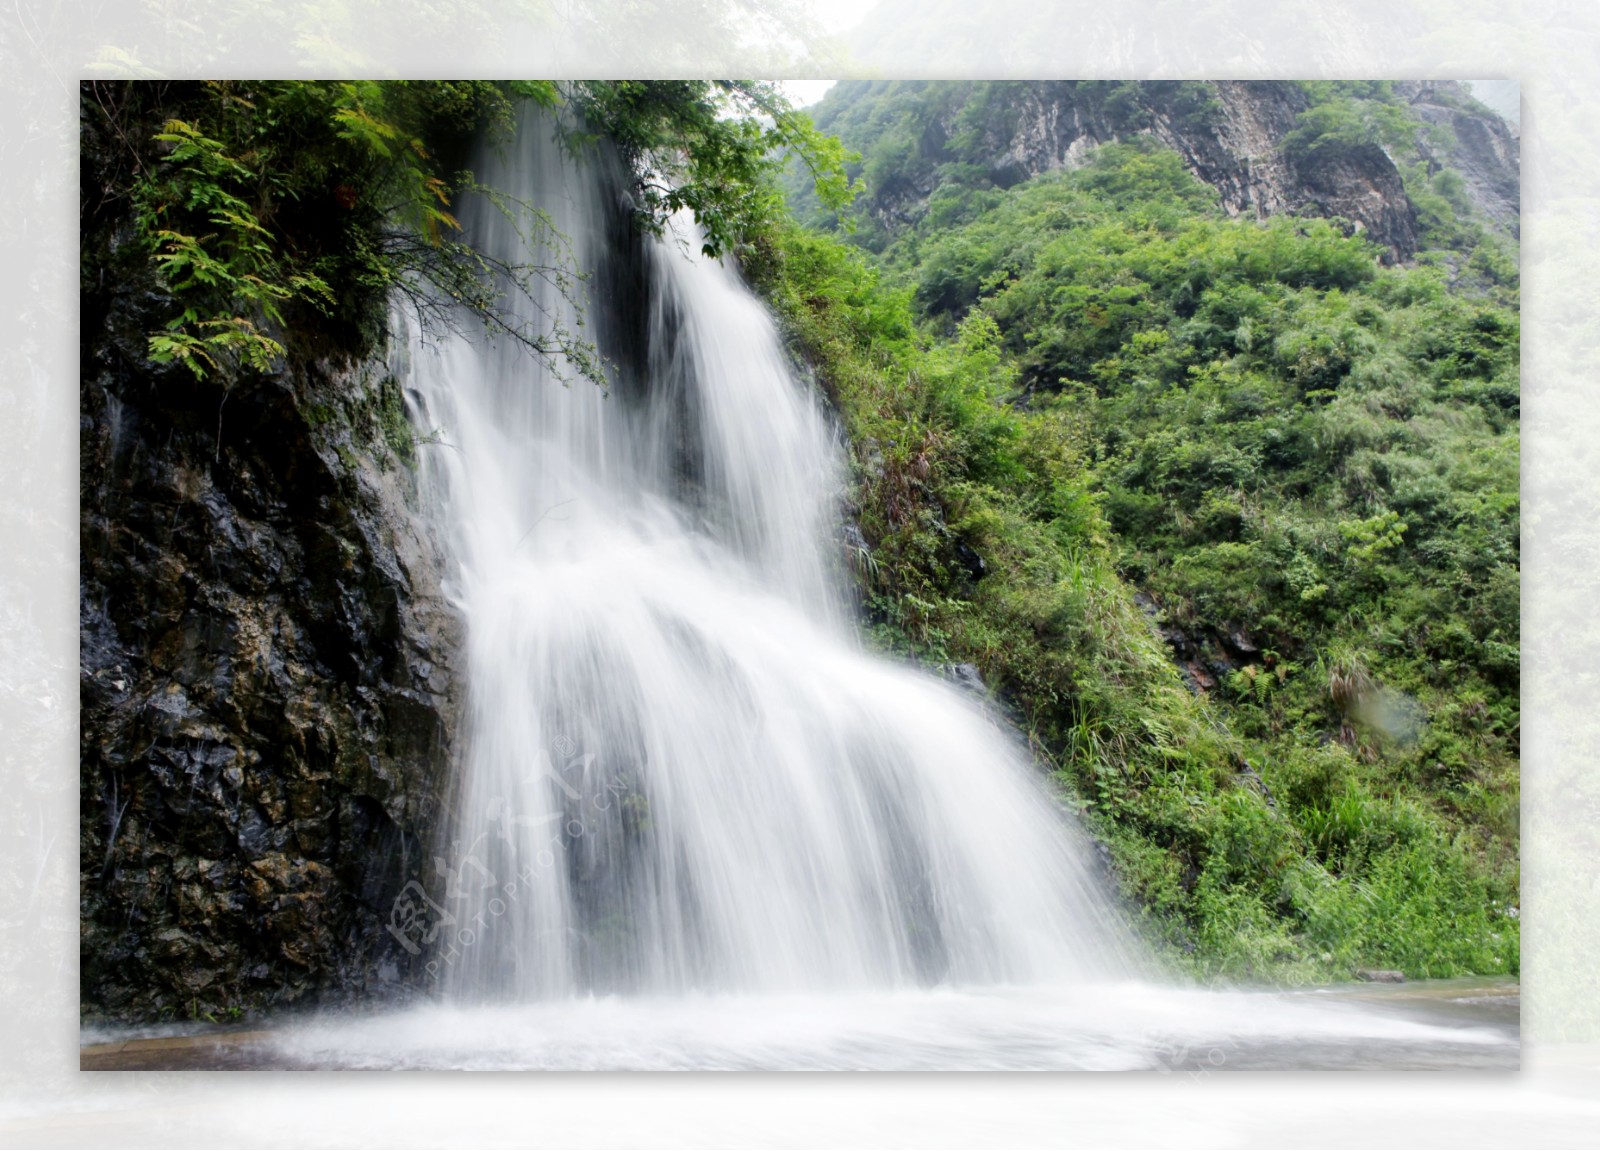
(1486, 149)
(1234, 135)
(1233, 141)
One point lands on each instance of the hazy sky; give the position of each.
(805, 92)
(1504, 96)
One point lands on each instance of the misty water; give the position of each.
(681, 773)
(697, 824)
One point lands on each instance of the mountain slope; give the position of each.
(1221, 497)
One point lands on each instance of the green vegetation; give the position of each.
(274, 212)
(1091, 399)
(271, 208)
(1346, 117)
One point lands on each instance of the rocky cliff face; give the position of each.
(1233, 143)
(1486, 149)
(1231, 134)
(266, 699)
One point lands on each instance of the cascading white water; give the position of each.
(681, 771)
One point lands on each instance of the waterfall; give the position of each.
(680, 772)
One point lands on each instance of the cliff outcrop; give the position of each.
(1236, 136)
(265, 693)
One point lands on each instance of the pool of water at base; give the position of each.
(1435, 1025)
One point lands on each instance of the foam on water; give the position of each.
(1108, 1027)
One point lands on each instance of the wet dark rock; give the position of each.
(1252, 778)
(970, 560)
(1373, 975)
(966, 676)
(1105, 861)
(266, 699)
(1360, 185)
(1205, 656)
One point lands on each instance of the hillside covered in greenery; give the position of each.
(1226, 508)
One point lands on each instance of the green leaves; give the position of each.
(1343, 124)
(824, 156)
(229, 276)
(293, 209)
(207, 346)
(1369, 539)
(714, 148)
